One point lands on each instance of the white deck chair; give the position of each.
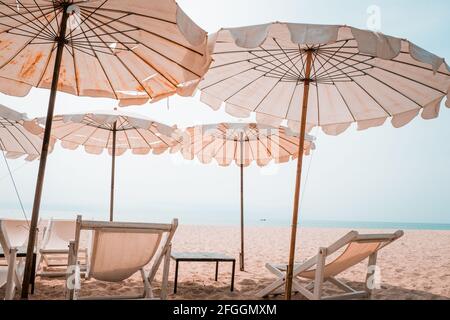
(119, 250)
(13, 235)
(55, 247)
(317, 270)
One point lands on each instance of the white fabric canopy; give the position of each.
(356, 76)
(242, 143)
(129, 50)
(94, 131)
(18, 135)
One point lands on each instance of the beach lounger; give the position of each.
(317, 270)
(119, 250)
(55, 248)
(13, 235)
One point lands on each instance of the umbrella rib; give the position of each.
(252, 154)
(126, 137)
(281, 66)
(317, 88)
(103, 69)
(143, 138)
(269, 92)
(49, 7)
(336, 51)
(107, 140)
(246, 60)
(201, 151)
(265, 146)
(45, 16)
(345, 74)
(83, 125)
(266, 95)
(392, 88)
(89, 136)
(17, 53)
(77, 35)
(85, 18)
(151, 65)
(35, 18)
(370, 95)
(124, 65)
(222, 146)
(34, 26)
(397, 74)
(136, 28)
(28, 139)
(342, 97)
(373, 98)
(75, 68)
(252, 50)
(46, 65)
(13, 136)
(285, 74)
(302, 72)
(399, 61)
(229, 77)
(157, 52)
(277, 143)
(345, 102)
(85, 6)
(290, 100)
(242, 88)
(286, 55)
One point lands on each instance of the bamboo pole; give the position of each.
(301, 145)
(242, 204)
(43, 160)
(113, 173)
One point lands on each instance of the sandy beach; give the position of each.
(417, 266)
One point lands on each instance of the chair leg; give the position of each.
(371, 273)
(10, 282)
(165, 277)
(148, 291)
(318, 281)
(72, 279)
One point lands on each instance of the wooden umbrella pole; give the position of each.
(242, 205)
(113, 173)
(43, 159)
(290, 269)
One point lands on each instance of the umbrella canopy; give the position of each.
(322, 75)
(129, 50)
(18, 135)
(116, 131)
(355, 76)
(242, 143)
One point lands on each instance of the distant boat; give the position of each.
(262, 219)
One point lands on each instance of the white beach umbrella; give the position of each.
(322, 75)
(16, 137)
(128, 50)
(116, 131)
(243, 143)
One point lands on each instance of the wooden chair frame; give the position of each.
(314, 289)
(162, 253)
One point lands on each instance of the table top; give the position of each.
(200, 256)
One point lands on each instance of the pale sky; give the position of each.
(382, 174)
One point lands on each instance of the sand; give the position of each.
(417, 266)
